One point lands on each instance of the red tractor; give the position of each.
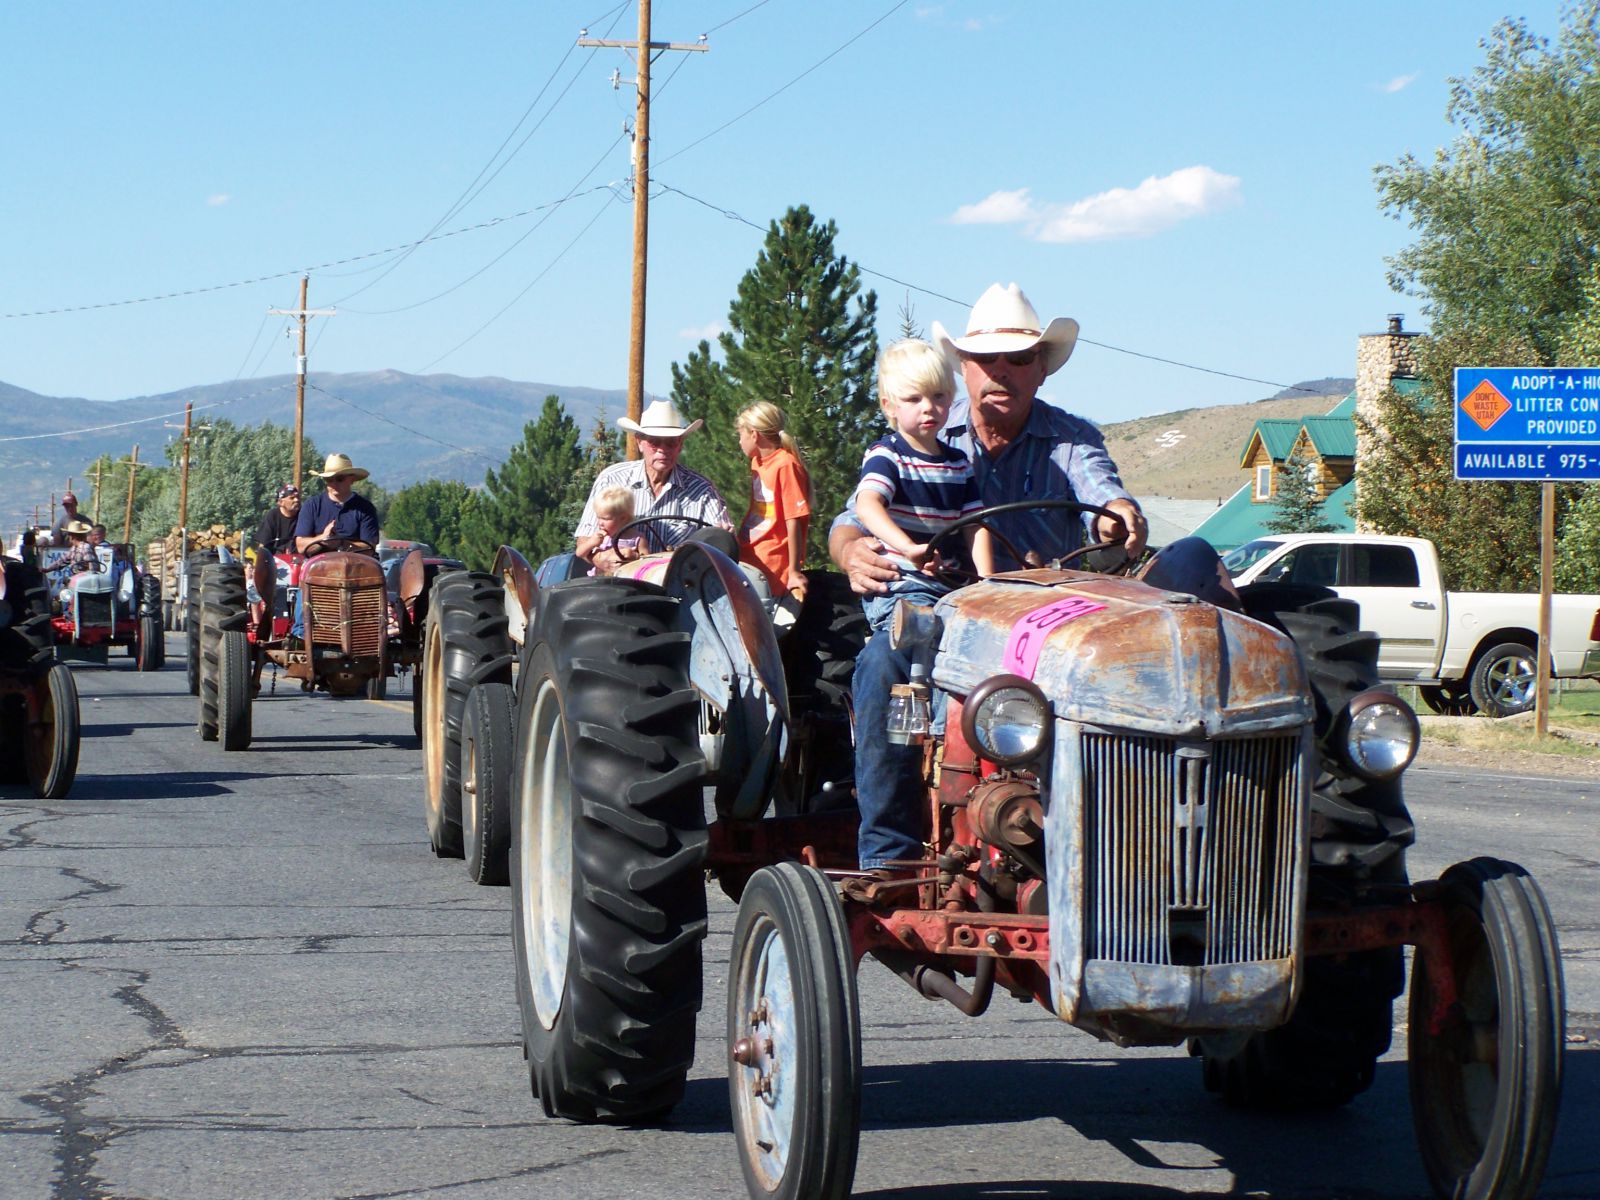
(109, 602)
(1165, 822)
(352, 640)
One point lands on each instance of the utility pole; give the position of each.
(641, 196)
(98, 470)
(300, 366)
(133, 465)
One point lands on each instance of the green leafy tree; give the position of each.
(1577, 560)
(1508, 217)
(803, 336)
(522, 501)
(234, 474)
(436, 511)
(604, 447)
(1297, 508)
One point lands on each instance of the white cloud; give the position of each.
(1398, 83)
(707, 332)
(1155, 205)
(218, 200)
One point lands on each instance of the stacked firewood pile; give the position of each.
(165, 556)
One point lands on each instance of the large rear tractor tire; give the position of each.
(488, 744)
(1326, 1054)
(1486, 1085)
(1505, 680)
(50, 743)
(27, 642)
(222, 610)
(234, 687)
(794, 1037)
(465, 644)
(609, 837)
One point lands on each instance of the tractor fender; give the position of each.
(735, 666)
(521, 591)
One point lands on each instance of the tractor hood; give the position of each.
(1112, 651)
(341, 569)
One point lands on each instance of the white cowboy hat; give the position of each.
(660, 420)
(78, 527)
(1003, 320)
(340, 464)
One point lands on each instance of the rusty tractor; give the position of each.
(39, 731)
(352, 642)
(1167, 823)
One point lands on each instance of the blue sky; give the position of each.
(1192, 182)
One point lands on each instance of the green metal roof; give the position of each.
(1332, 437)
(1277, 435)
(1346, 408)
(1240, 519)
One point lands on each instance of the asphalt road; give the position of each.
(245, 975)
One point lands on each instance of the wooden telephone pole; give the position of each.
(133, 464)
(641, 196)
(300, 367)
(97, 472)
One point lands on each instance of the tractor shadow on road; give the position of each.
(300, 742)
(164, 786)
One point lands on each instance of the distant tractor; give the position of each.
(109, 603)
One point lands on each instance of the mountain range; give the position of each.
(404, 428)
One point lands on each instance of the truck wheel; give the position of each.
(1485, 1087)
(50, 744)
(1505, 680)
(819, 656)
(607, 888)
(794, 1037)
(487, 745)
(222, 609)
(233, 690)
(1449, 700)
(465, 643)
(147, 648)
(196, 563)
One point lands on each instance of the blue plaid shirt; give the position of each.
(1057, 456)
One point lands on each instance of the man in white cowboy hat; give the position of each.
(1021, 449)
(660, 486)
(337, 515)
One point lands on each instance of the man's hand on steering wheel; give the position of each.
(1128, 526)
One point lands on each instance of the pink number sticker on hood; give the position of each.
(1029, 633)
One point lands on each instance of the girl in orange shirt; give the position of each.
(773, 534)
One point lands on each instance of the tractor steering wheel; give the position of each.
(326, 546)
(652, 518)
(959, 576)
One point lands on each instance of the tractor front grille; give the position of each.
(335, 609)
(1191, 848)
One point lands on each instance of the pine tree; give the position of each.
(435, 511)
(1296, 508)
(801, 336)
(603, 448)
(522, 501)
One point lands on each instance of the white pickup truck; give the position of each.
(1466, 650)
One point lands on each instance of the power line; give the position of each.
(734, 18)
(896, 7)
(428, 437)
(733, 216)
(34, 437)
(548, 267)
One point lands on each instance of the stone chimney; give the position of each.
(1381, 358)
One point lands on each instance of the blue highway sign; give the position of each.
(1534, 423)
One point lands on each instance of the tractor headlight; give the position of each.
(1380, 735)
(1006, 719)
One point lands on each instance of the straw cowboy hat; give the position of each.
(79, 527)
(660, 420)
(1003, 320)
(340, 464)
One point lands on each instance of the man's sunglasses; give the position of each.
(339, 478)
(1017, 358)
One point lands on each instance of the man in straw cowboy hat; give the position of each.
(660, 486)
(337, 514)
(1021, 449)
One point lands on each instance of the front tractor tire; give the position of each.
(234, 688)
(465, 643)
(609, 838)
(488, 742)
(1486, 1085)
(222, 610)
(1327, 1052)
(50, 744)
(794, 1037)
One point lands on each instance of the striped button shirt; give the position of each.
(923, 494)
(687, 494)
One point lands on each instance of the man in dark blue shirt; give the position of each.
(337, 514)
